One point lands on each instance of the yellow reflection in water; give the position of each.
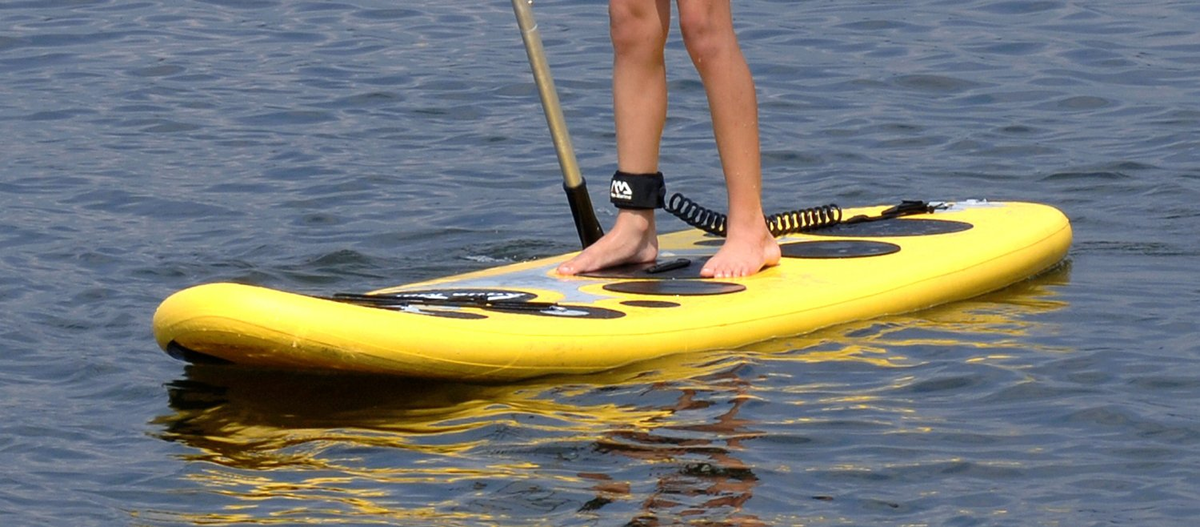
(279, 448)
(992, 323)
(270, 438)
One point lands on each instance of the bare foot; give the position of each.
(633, 239)
(745, 252)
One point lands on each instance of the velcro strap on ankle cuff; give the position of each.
(637, 191)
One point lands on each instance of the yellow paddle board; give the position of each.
(523, 320)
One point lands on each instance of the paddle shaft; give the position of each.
(576, 188)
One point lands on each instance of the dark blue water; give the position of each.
(147, 146)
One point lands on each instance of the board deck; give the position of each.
(523, 320)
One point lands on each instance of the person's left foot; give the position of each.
(746, 252)
(632, 240)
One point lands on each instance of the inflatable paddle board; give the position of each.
(523, 320)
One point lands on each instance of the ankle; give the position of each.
(635, 222)
(748, 230)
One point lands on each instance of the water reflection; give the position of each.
(991, 322)
(678, 439)
(702, 475)
(359, 446)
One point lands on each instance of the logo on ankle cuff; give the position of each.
(620, 190)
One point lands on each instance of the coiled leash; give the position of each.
(779, 224)
(647, 191)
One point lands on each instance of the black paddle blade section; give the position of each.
(837, 249)
(894, 227)
(584, 214)
(675, 287)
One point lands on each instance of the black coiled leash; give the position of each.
(646, 192)
(792, 221)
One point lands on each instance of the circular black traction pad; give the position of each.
(656, 304)
(675, 287)
(837, 249)
(894, 227)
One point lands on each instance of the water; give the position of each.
(322, 147)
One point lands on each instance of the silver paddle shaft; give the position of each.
(582, 211)
(545, 84)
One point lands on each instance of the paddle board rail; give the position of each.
(523, 320)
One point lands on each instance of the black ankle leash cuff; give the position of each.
(637, 191)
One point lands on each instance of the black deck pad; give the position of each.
(688, 272)
(461, 315)
(894, 227)
(675, 287)
(466, 296)
(445, 302)
(837, 249)
(653, 304)
(560, 311)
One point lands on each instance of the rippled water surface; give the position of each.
(344, 146)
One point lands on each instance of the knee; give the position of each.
(636, 28)
(704, 37)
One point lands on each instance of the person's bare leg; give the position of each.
(707, 27)
(639, 33)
